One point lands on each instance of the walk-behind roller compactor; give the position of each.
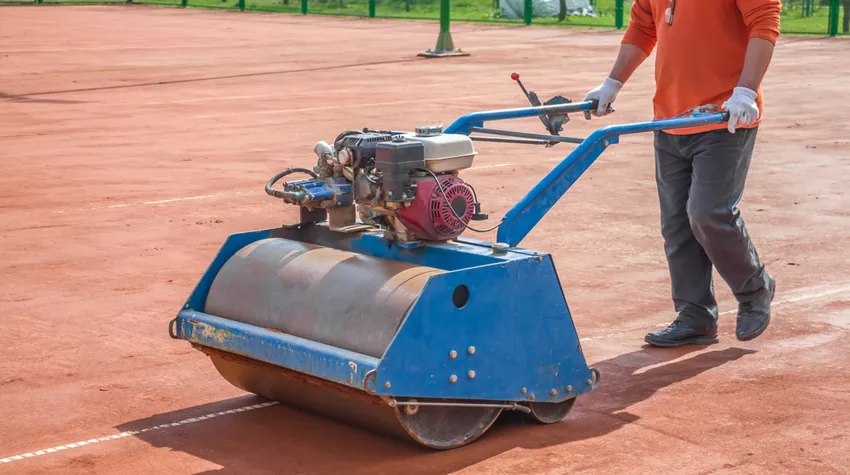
(373, 310)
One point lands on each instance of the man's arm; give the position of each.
(629, 59)
(756, 61)
(762, 20)
(637, 44)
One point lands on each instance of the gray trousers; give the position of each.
(700, 180)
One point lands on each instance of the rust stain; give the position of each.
(210, 332)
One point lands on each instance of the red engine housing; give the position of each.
(430, 217)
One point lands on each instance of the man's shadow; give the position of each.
(280, 439)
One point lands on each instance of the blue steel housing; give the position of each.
(511, 327)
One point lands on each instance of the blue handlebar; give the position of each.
(526, 213)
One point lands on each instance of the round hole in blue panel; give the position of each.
(460, 296)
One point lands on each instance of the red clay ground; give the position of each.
(135, 139)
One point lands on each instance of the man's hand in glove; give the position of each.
(605, 93)
(742, 108)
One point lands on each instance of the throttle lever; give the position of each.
(552, 128)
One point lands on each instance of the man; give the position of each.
(708, 52)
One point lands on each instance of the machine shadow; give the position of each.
(281, 439)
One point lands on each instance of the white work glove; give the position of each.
(605, 93)
(742, 108)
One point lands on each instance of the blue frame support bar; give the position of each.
(302, 355)
(524, 215)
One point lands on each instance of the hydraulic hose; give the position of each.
(276, 178)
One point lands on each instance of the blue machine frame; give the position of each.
(480, 329)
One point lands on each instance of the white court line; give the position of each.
(83, 443)
(216, 195)
(349, 106)
(58, 448)
(158, 202)
(776, 303)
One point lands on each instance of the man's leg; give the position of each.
(721, 163)
(689, 266)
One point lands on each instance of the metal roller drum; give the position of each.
(339, 298)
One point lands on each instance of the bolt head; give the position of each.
(590, 382)
(531, 397)
(387, 385)
(553, 392)
(453, 354)
(471, 374)
(471, 350)
(523, 390)
(453, 378)
(569, 389)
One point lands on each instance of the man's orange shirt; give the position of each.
(699, 58)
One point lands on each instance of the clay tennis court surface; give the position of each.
(134, 140)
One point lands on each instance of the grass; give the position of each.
(795, 19)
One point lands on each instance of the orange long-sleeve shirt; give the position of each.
(699, 58)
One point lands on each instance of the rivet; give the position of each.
(523, 390)
(606, 143)
(471, 350)
(453, 354)
(590, 382)
(387, 385)
(553, 392)
(531, 397)
(569, 389)
(453, 378)
(471, 374)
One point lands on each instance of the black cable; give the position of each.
(446, 198)
(288, 171)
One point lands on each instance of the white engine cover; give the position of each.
(444, 152)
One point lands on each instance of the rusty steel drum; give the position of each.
(338, 298)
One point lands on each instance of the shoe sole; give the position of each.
(697, 340)
(761, 330)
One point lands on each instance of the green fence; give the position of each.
(818, 17)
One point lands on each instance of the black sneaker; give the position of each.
(754, 317)
(680, 333)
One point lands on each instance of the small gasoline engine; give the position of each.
(404, 183)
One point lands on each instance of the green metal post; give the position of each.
(445, 45)
(371, 8)
(445, 19)
(303, 7)
(834, 13)
(529, 11)
(242, 5)
(184, 3)
(618, 13)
